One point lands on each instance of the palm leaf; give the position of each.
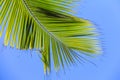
(48, 26)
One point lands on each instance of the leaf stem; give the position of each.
(40, 24)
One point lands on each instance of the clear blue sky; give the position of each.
(105, 14)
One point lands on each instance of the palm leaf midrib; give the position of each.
(40, 24)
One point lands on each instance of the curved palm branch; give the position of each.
(46, 25)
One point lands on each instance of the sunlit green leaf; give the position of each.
(48, 26)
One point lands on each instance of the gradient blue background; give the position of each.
(105, 14)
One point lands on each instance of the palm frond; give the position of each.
(46, 25)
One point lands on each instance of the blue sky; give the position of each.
(105, 14)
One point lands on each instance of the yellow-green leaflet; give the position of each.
(46, 25)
